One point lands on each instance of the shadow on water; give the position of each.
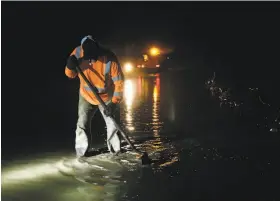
(197, 152)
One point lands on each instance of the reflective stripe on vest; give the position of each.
(107, 74)
(100, 90)
(107, 80)
(78, 52)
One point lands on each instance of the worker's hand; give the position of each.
(111, 109)
(72, 62)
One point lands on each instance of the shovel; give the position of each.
(144, 156)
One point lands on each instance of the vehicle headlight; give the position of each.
(154, 51)
(128, 67)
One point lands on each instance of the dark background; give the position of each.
(238, 40)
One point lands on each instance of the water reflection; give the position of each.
(157, 143)
(156, 108)
(129, 95)
(141, 110)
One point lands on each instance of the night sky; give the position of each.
(238, 40)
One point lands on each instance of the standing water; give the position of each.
(197, 152)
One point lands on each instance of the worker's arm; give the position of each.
(118, 79)
(69, 70)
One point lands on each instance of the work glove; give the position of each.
(90, 49)
(72, 62)
(111, 109)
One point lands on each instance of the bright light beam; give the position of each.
(30, 172)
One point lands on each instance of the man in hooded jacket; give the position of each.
(103, 71)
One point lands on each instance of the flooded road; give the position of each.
(199, 152)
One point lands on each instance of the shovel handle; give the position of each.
(93, 89)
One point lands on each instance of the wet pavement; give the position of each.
(199, 151)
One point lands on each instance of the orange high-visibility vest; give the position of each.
(104, 73)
